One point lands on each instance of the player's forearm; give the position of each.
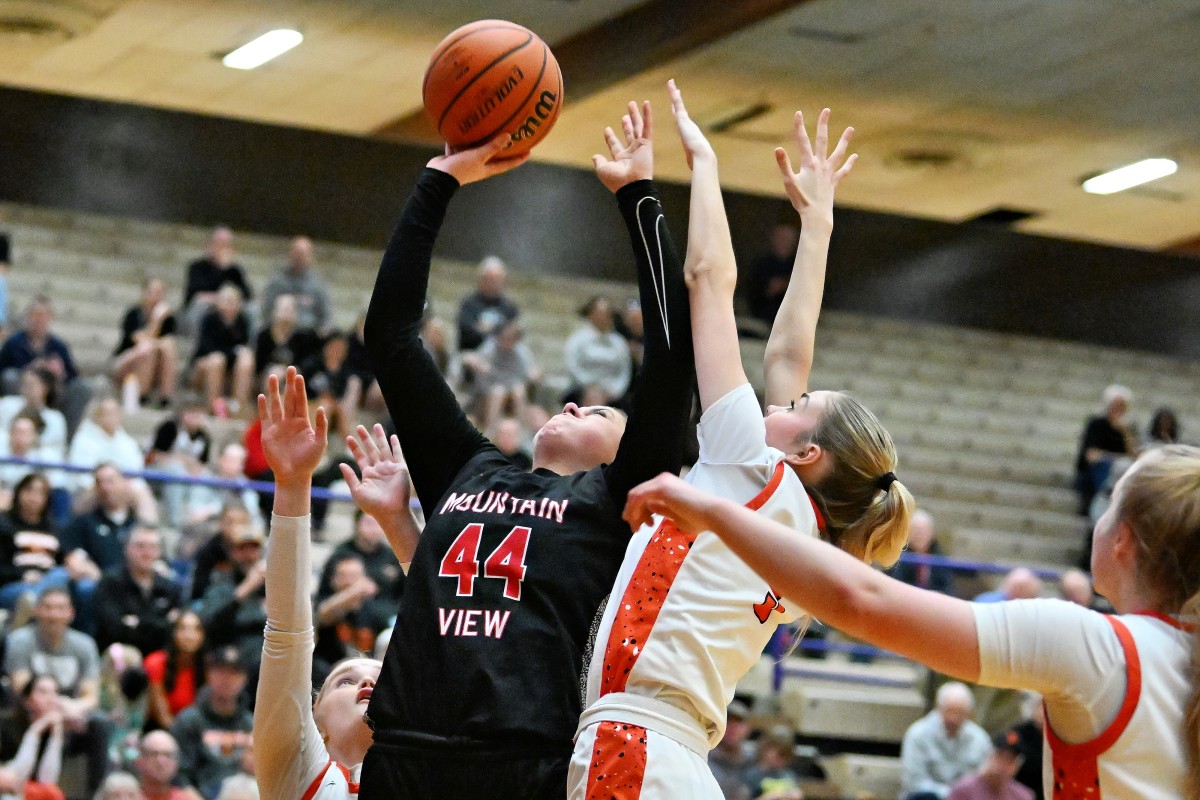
(789, 353)
(402, 534)
(710, 258)
(289, 565)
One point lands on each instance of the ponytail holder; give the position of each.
(885, 481)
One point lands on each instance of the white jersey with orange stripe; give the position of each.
(687, 618)
(335, 783)
(1114, 688)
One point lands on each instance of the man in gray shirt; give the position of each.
(942, 746)
(299, 279)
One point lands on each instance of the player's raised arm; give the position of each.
(661, 409)
(709, 266)
(382, 491)
(789, 355)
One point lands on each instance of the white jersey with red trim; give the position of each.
(335, 783)
(687, 618)
(1114, 688)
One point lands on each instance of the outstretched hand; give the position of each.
(292, 445)
(383, 489)
(695, 144)
(672, 497)
(478, 163)
(634, 159)
(811, 189)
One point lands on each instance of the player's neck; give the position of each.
(559, 466)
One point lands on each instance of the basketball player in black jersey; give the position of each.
(479, 693)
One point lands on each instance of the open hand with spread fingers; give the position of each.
(811, 188)
(292, 444)
(383, 490)
(633, 159)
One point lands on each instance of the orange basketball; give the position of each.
(491, 77)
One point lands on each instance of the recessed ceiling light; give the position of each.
(1130, 175)
(263, 49)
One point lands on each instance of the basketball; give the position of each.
(491, 77)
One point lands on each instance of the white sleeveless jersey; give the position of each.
(1141, 753)
(687, 618)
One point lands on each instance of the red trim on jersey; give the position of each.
(762, 497)
(1075, 769)
(618, 762)
(315, 786)
(1174, 623)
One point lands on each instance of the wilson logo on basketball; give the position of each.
(546, 107)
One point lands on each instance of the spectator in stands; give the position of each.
(102, 439)
(729, 760)
(509, 438)
(30, 552)
(207, 274)
(771, 272)
(772, 778)
(22, 442)
(223, 359)
(176, 673)
(1019, 584)
(502, 372)
(630, 323)
(283, 341)
(351, 614)
(332, 383)
(1106, 438)
(5, 257)
(205, 502)
(996, 780)
(35, 345)
(369, 546)
(146, 358)
(360, 364)
(597, 357)
(39, 393)
(1164, 428)
(118, 786)
(1075, 586)
(181, 447)
(232, 609)
(136, 605)
(942, 746)
(51, 647)
(314, 311)
(921, 542)
(214, 731)
(1029, 732)
(31, 744)
(436, 339)
(482, 311)
(158, 769)
(216, 558)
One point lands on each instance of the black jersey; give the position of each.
(512, 566)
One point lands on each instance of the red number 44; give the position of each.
(507, 561)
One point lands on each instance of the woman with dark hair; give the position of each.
(31, 741)
(1164, 427)
(30, 554)
(39, 393)
(177, 673)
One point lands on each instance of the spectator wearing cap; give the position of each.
(158, 769)
(996, 779)
(233, 608)
(942, 746)
(136, 605)
(297, 278)
(215, 731)
(772, 778)
(482, 311)
(729, 760)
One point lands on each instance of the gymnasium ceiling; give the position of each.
(961, 106)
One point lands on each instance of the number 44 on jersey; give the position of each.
(461, 562)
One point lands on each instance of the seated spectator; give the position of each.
(215, 559)
(1164, 428)
(996, 780)
(331, 380)
(118, 786)
(360, 364)
(350, 615)
(233, 609)
(206, 276)
(223, 360)
(509, 438)
(176, 673)
(484, 309)
(368, 545)
(22, 442)
(135, 605)
(772, 777)
(36, 344)
(729, 760)
(630, 323)
(205, 502)
(146, 358)
(49, 647)
(123, 698)
(921, 542)
(1075, 586)
(213, 732)
(181, 445)
(39, 393)
(33, 757)
(436, 339)
(771, 273)
(1105, 439)
(158, 769)
(102, 439)
(1029, 732)
(942, 747)
(31, 555)
(283, 342)
(502, 372)
(597, 358)
(314, 311)
(1019, 584)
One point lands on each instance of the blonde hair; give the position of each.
(1160, 502)
(865, 514)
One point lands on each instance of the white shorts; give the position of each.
(620, 761)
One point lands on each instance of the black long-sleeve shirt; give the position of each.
(512, 566)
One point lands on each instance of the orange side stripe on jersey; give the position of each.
(618, 762)
(641, 603)
(1076, 772)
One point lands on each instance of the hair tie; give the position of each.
(885, 481)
